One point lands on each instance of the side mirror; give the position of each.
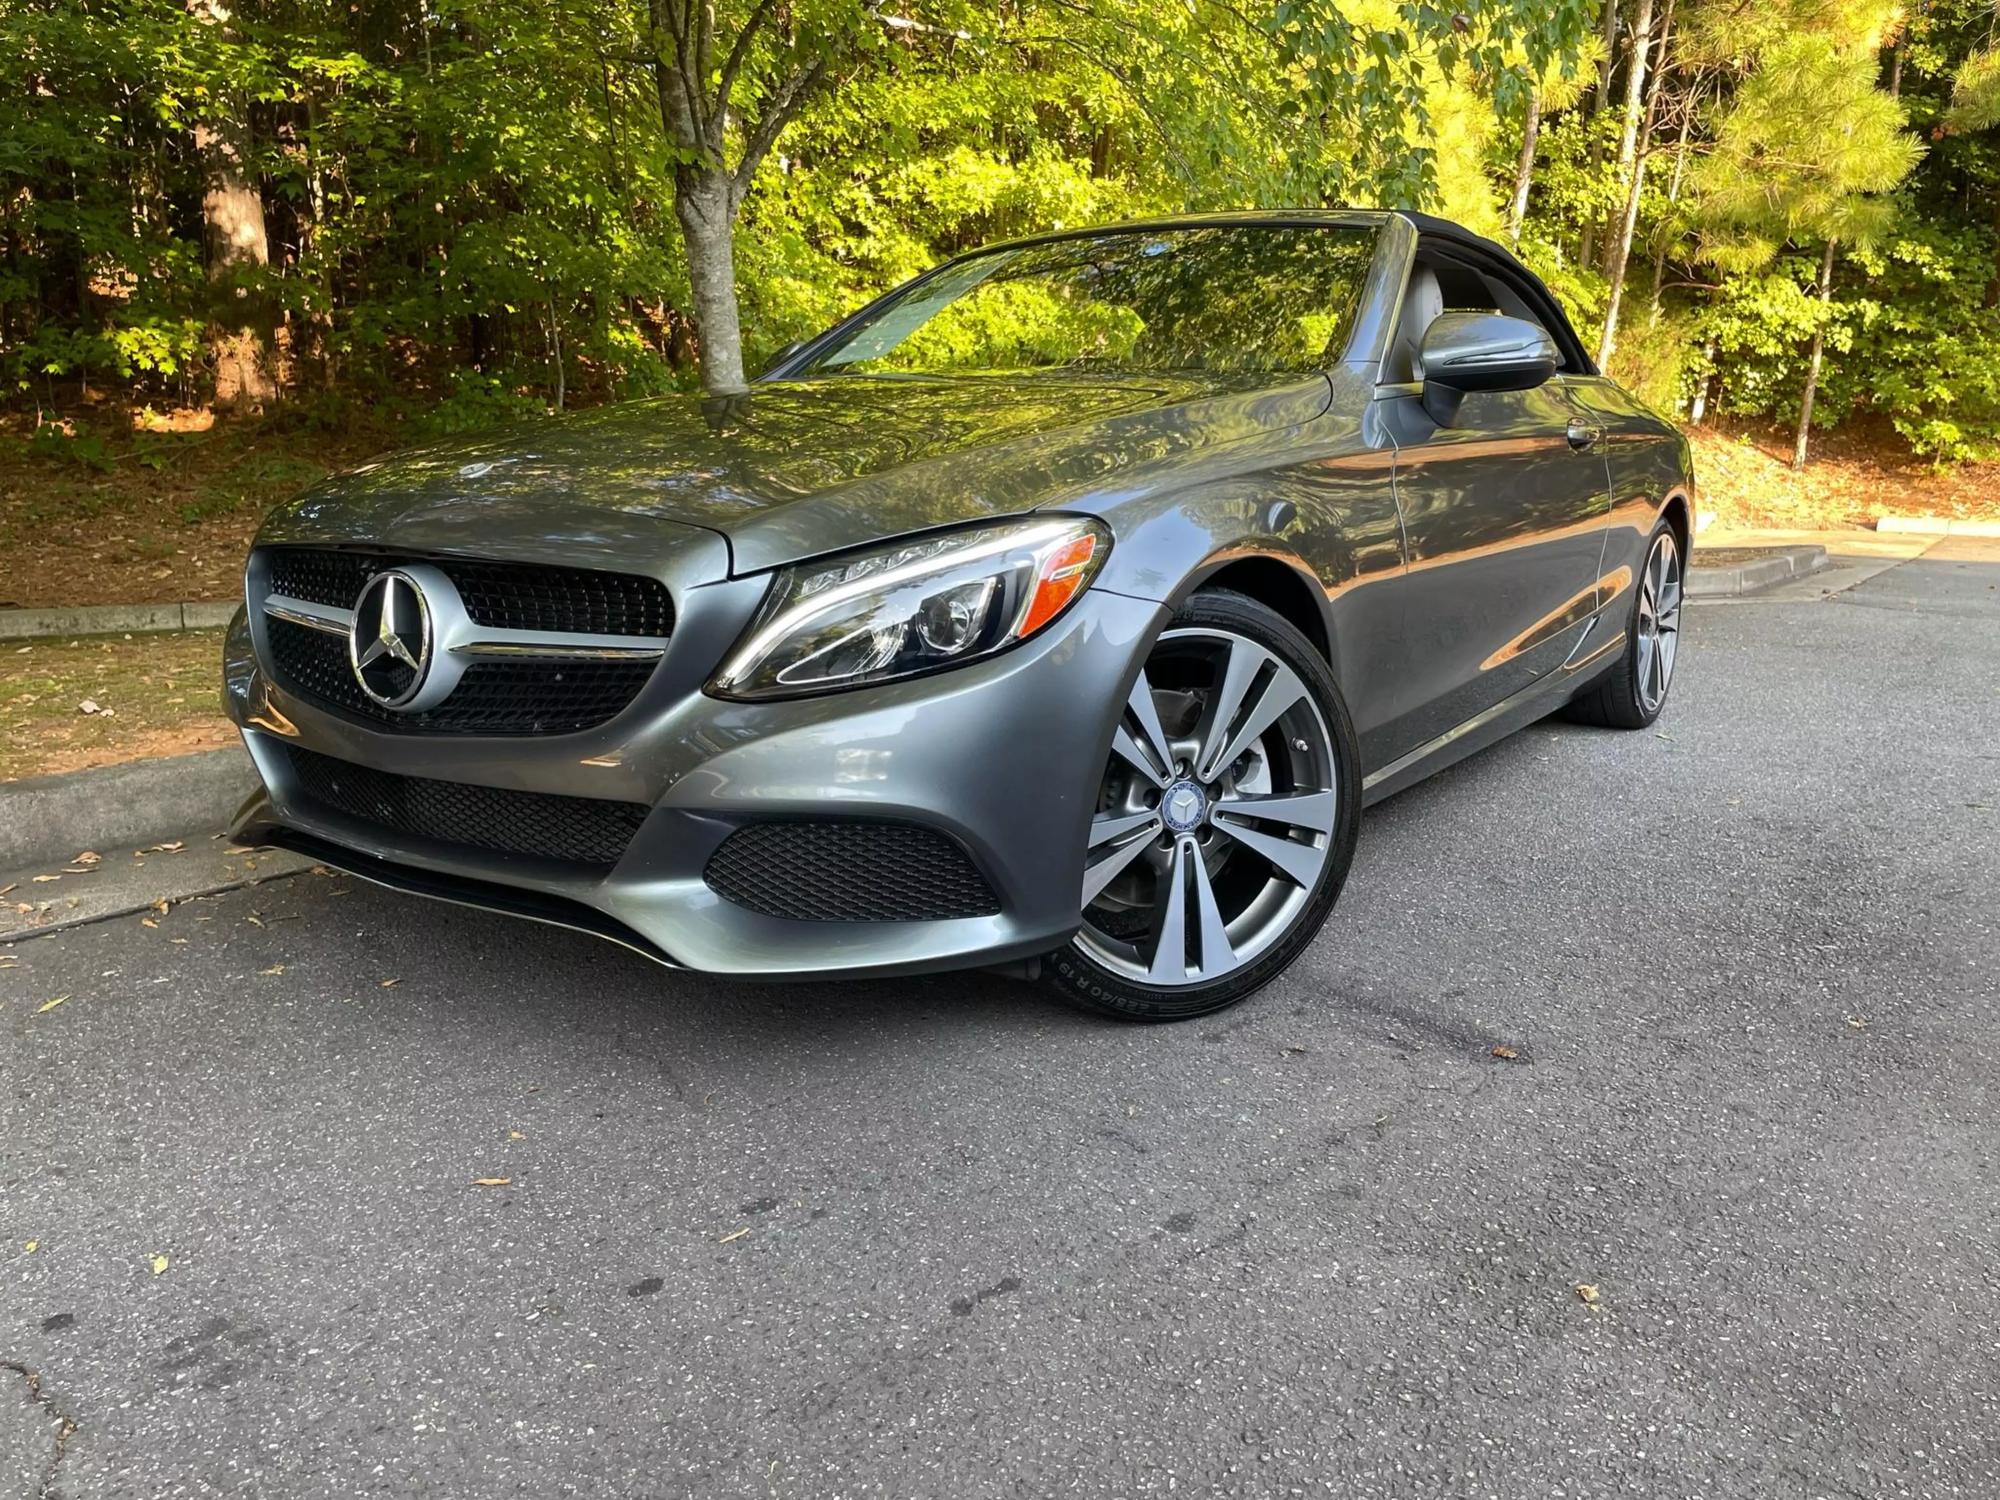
(1470, 351)
(784, 355)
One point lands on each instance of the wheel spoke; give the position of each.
(1108, 826)
(1152, 737)
(1298, 863)
(1127, 749)
(1648, 645)
(1312, 810)
(1170, 951)
(1097, 875)
(1218, 954)
(1278, 694)
(1238, 673)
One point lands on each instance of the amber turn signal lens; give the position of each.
(1064, 571)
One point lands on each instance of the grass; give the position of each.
(163, 694)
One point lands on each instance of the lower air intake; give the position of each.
(849, 871)
(576, 830)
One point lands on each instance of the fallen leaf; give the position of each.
(160, 1264)
(148, 922)
(174, 848)
(515, 1135)
(45, 879)
(274, 969)
(160, 906)
(177, 940)
(29, 1247)
(390, 984)
(48, 1005)
(1506, 1054)
(254, 920)
(319, 870)
(492, 1181)
(78, 870)
(1586, 1293)
(88, 857)
(1858, 1023)
(4, 889)
(89, 706)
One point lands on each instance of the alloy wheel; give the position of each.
(1215, 821)
(1659, 621)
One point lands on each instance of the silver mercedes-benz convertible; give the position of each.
(1058, 612)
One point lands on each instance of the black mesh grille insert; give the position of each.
(519, 696)
(500, 595)
(578, 830)
(847, 871)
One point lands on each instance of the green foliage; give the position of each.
(471, 205)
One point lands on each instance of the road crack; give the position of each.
(65, 1424)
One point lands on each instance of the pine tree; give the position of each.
(1802, 155)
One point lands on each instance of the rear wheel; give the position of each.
(1225, 820)
(1632, 696)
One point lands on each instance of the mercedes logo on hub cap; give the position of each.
(390, 644)
(1183, 807)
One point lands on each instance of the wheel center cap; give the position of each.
(1184, 806)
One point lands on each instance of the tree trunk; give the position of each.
(1524, 170)
(1606, 64)
(233, 238)
(1812, 364)
(1631, 169)
(706, 208)
(1708, 382)
(1673, 197)
(1993, 286)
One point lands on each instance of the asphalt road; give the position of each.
(946, 1238)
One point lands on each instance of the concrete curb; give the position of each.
(49, 819)
(1936, 526)
(114, 619)
(1781, 566)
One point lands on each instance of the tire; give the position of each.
(1253, 821)
(1632, 694)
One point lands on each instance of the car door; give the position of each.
(1504, 519)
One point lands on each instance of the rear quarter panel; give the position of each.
(1648, 461)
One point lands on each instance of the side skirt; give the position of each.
(1537, 700)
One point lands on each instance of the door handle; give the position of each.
(1583, 436)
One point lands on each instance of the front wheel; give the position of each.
(1225, 820)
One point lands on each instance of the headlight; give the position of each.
(914, 608)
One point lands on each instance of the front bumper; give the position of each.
(1003, 756)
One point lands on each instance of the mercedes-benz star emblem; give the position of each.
(1183, 806)
(389, 646)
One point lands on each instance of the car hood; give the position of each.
(790, 470)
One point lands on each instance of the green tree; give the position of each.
(1802, 154)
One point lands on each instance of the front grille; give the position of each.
(499, 595)
(849, 871)
(576, 830)
(503, 697)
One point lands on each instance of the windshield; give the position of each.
(1242, 298)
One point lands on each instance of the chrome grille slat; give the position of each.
(508, 673)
